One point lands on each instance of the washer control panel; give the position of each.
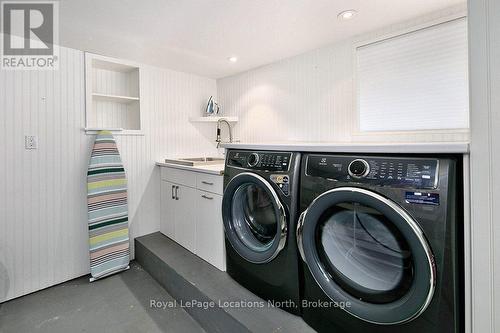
(393, 171)
(267, 161)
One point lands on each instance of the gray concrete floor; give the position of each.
(119, 303)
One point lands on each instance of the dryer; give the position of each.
(380, 238)
(260, 212)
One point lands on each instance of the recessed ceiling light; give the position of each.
(232, 59)
(346, 14)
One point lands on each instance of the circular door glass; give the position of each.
(254, 216)
(364, 253)
(255, 221)
(363, 248)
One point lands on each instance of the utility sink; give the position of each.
(193, 161)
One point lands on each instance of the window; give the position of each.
(415, 81)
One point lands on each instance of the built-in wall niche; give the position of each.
(112, 95)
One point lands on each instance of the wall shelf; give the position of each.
(115, 131)
(97, 129)
(212, 119)
(115, 98)
(112, 89)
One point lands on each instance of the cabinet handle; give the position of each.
(173, 196)
(176, 194)
(206, 197)
(206, 183)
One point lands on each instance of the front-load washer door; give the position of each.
(255, 221)
(367, 253)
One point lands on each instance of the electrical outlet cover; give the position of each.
(30, 142)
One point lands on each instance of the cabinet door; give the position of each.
(209, 229)
(185, 217)
(168, 204)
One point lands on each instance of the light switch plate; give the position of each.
(30, 142)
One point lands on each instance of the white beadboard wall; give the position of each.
(43, 218)
(311, 97)
(296, 99)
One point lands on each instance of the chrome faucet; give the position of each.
(218, 140)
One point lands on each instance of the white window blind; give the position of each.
(416, 81)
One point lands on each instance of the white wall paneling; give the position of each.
(484, 54)
(42, 193)
(311, 97)
(299, 99)
(43, 217)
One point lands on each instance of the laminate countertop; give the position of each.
(331, 147)
(213, 169)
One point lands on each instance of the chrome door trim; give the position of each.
(282, 223)
(408, 219)
(298, 234)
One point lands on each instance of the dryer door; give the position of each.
(364, 249)
(255, 221)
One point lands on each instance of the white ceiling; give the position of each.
(198, 36)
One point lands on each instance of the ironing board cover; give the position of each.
(107, 208)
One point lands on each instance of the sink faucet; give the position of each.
(218, 140)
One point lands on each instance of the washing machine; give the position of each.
(380, 242)
(260, 213)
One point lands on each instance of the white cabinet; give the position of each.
(209, 183)
(209, 231)
(178, 176)
(178, 216)
(167, 209)
(191, 213)
(185, 217)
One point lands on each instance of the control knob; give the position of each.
(253, 159)
(358, 168)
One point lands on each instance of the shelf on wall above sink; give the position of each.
(212, 119)
(115, 98)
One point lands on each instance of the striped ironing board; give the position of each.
(107, 209)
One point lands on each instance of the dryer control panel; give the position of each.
(393, 171)
(260, 160)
